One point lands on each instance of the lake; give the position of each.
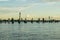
(30, 31)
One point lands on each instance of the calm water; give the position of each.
(29, 31)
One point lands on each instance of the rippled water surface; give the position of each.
(30, 31)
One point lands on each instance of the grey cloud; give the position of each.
(50, 0)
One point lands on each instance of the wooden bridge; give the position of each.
(25, 21)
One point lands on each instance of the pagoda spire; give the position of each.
(19, 15)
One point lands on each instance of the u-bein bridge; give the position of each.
(25, 21)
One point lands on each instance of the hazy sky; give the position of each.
(30, 8)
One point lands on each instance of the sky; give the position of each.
(29, 8)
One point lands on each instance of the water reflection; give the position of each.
(29, 31)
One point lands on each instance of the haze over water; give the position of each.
(30, 31)
(30, 9)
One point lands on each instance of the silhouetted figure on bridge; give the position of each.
(38, 20)
(32, 20)
(0, 21)
(25, 21)
(43, 20)
(12, 20)
(19, 21)
(4, 21)
(8, 20)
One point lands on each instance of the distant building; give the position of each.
(19, 15)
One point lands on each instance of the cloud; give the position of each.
(3, 0)
(21, 0)
(14, 9)
(50, 0)
(51, 3)
(39, 0)
(21, 8)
